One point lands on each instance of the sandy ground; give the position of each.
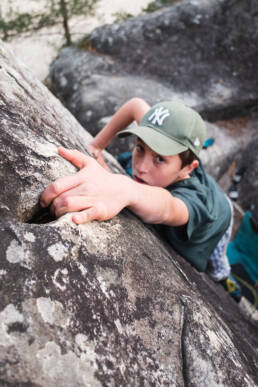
(37, 51)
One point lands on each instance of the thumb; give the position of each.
(78, 159)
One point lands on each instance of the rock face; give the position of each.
(102, 304)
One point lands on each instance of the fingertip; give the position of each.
(62, 150)
(79, 219)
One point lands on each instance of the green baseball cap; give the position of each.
(170, 128)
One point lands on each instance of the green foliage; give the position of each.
(14, 26)
(122, 16)
(158, 4)
(56, 12)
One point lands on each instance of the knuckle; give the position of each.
(84, 216)
(66, 202)
(55, 187)
(100, 211)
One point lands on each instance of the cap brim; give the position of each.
(155, 140)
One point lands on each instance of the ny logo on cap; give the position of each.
(197, 142)
(158, 116)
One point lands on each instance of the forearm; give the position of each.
(155, 205)
(133, 110)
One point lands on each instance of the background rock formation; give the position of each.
(203, 53)
(248, 187)
(104, 303)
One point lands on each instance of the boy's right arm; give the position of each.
(133, 110)
(96, 194)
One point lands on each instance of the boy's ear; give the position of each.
(190, 167)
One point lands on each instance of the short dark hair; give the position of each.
(187, 157)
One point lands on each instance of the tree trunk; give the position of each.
(65, 16)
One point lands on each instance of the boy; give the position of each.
(169, 185)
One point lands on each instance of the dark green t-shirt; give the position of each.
(209, 218)
(209, 215)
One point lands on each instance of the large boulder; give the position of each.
(101, 304)
(207, 50)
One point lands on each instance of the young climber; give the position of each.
(168, 187)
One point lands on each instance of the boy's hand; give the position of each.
(93, 192)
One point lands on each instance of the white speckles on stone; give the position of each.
(103, 286)
(9, 315)
(46, 150)
(99, 238)
(15, 252)
(63, 81)
(203, 371)
(82, 268)
(110, 41)
(87, 349)
(61, 279)
(67, 218)
(66, 368)
(82, 342)
(214, 340)
(46, 309)
(29, 237)
(2, 273)
(58, 251)
(197, 19)
(4, 207)
(220, 92)
(119, 327)
(36, 162)
(89, 114)
(52, 312)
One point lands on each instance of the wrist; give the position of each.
(128, 190)
(96, 144)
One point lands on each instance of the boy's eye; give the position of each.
(139, 148)
(160, 159)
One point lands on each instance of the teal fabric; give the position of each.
(244, 248)
(210, 216)
(125, 159)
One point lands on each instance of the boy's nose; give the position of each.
(144, 165)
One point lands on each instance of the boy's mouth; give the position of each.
(136, 178)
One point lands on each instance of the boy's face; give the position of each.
(156, 170)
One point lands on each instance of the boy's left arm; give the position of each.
(96, 194)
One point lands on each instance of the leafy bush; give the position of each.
(57, 11)
(158, 4)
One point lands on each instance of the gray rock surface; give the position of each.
(248, 186)
(102, 304)
(228, 146)
(207, 49)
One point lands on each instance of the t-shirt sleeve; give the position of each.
(196, 205)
